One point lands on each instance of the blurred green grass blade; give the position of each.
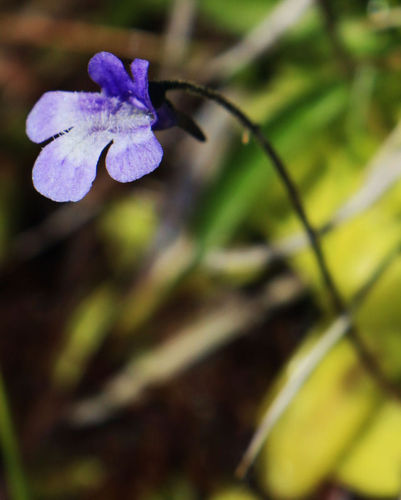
(16, 481)
(235, 16)
(85, 332)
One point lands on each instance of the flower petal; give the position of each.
(139, 70)
(132, 156)
(66, 168)
(108, 71)
(58, 111)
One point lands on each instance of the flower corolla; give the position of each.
(82, 124)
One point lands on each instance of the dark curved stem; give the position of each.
(339, 306)
(281, 170)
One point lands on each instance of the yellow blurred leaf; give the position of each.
(373, 465)
(318, 426)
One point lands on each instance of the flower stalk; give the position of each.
(339, 306)
(281, 170)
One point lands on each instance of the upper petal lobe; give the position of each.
(139, 70)
(108, 71)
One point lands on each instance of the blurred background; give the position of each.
(149, 330)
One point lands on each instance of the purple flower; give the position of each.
(83, 124)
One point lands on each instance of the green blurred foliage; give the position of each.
(234, 493)
(231, 15)
(69, 480)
